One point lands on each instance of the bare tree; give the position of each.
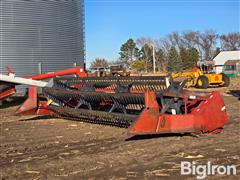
(145, 43)
(99, 62)
(206, 42)
(176, 40)
(160, 60)
(153, 54)
(189, 39)
(165, 45)
(114, 62)
(203, 42)
(230, 41)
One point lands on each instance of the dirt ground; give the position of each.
(42, 148)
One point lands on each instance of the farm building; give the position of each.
(41, 35)
(223, 57)
(232, 68)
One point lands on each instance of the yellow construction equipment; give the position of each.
(200, 79)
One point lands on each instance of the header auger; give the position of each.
(116, 83)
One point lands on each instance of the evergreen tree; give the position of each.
(184, 54)
(129, 52)
(189, 57)
(194, 56)
(174, 62)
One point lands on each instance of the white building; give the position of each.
(224, 56)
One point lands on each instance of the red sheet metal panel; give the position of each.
(208, 116)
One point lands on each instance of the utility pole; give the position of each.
(154, 59)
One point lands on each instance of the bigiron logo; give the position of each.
(202, 171)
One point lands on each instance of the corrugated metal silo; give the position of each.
(50, 32)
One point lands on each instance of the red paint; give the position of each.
(206, 117)
(31, 104)
(75, 70)
(42, 109)
(7, 92)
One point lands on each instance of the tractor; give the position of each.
(203, 79)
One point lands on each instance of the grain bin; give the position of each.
(41, 35)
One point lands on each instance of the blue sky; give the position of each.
(109, 23)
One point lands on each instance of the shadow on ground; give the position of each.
(39, 118)
(154, 136)
(235, 93)
(12, 101)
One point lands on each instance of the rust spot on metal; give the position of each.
(163, 122)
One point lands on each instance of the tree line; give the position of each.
(174, 52)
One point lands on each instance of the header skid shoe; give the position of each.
(203, 114)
